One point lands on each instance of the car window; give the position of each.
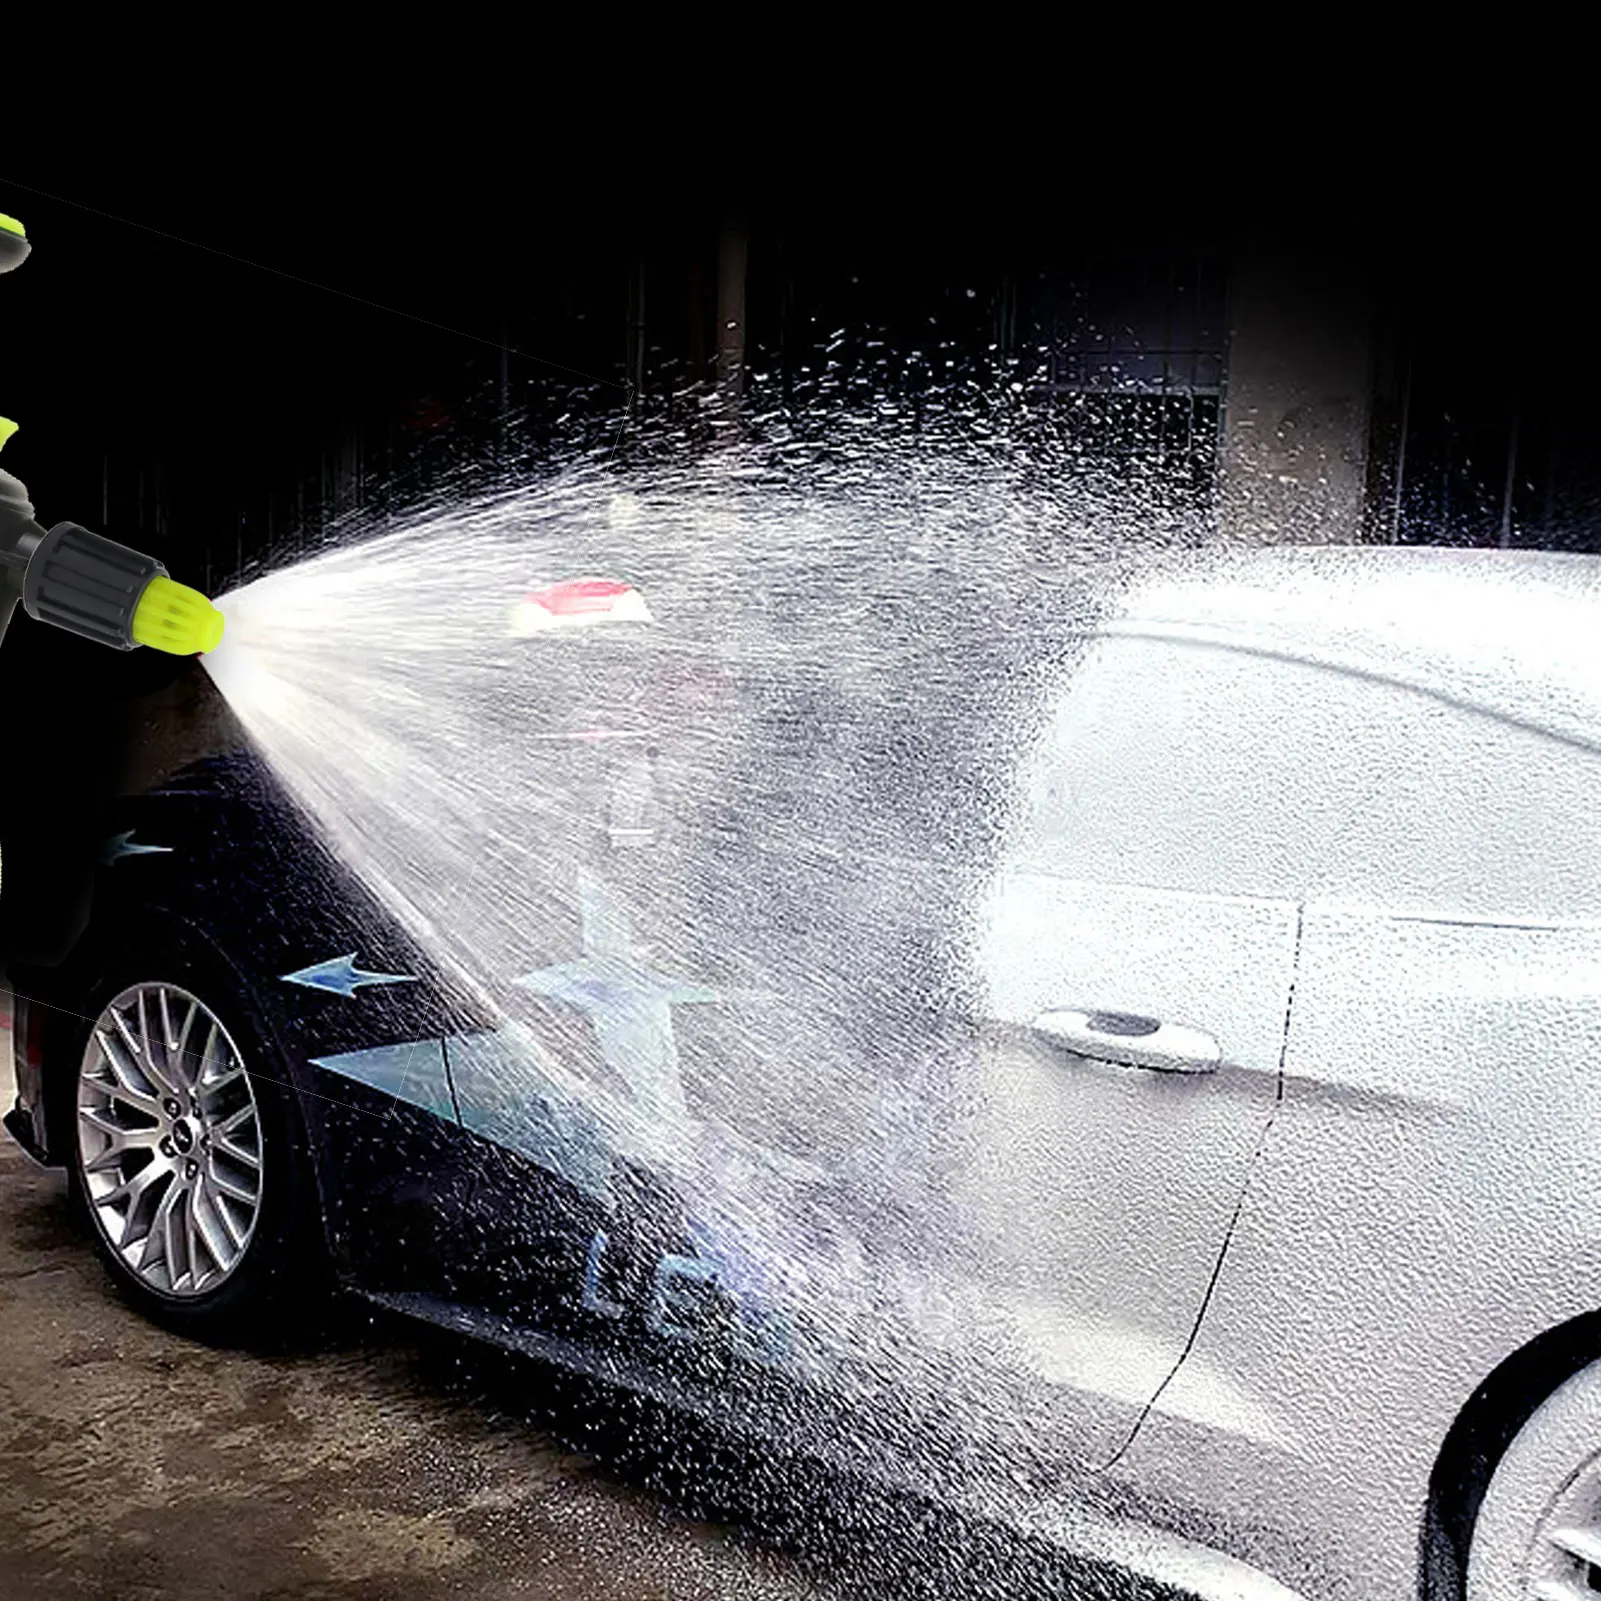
(1473, 817)
(1198, 767)
(1188, 766)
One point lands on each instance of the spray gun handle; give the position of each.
(19, 534)
(81, 581)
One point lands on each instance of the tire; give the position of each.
(190, 1166)
(1538, 1530)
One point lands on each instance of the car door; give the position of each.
(1134, 957)
(1431, 1169)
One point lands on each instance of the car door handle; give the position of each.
(1130, 1041)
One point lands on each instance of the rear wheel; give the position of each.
(188, 1155)
(1537, 1536)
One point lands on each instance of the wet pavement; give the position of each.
(136, 1466)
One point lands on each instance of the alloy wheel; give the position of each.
(169, 1140)
(1565, 1563)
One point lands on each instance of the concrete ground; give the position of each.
(135, 1466)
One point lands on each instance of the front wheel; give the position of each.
(1537, 1536)
(188, 1155)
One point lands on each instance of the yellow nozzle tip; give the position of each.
(7, 429)
(11, 225)
(177, 619)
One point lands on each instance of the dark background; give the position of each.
(217, 358)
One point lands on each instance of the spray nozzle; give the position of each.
(104, 591)
(93, 586)
(175, 618)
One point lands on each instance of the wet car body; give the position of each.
(1286, 996)
(512, 1223)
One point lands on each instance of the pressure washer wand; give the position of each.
(81, 581)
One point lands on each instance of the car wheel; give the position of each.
(1538, 1530)
(188, 1156)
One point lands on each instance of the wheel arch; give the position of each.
(111, 940)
